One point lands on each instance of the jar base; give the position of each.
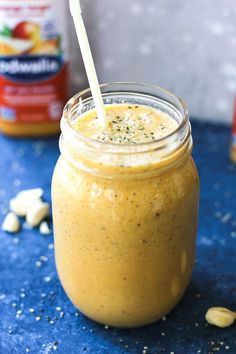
(128, 323)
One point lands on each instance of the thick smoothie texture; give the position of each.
(127, 124)
(125, 243)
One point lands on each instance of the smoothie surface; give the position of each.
(127, 124)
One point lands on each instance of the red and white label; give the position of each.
(33, 60)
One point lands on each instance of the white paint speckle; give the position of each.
(38, 264)
(230, 86)
(217, 28)
(15, 240)
(228, 69)
(222, 242)
(232, 40)
(222, 106)
(135, 9)
(205, 241)
(47, 279)
(151, 9)
(226, 12)
(17, 182)
(50, 246)
(145, 49)
(226, 218)
(15, 165)
(38, 148)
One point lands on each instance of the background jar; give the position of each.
(125, 216)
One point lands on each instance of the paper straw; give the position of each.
(76, 13)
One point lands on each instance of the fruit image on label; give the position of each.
(27, 30)
(10, 46)
(33, 61)
(26, 38)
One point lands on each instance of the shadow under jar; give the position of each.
(125, 216)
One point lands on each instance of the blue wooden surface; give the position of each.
(37, 317)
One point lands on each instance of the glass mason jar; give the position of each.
(125, 216)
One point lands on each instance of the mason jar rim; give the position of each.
(122, 88)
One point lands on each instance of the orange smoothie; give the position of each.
(125, 205)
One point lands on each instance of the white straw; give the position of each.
(76, 13)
